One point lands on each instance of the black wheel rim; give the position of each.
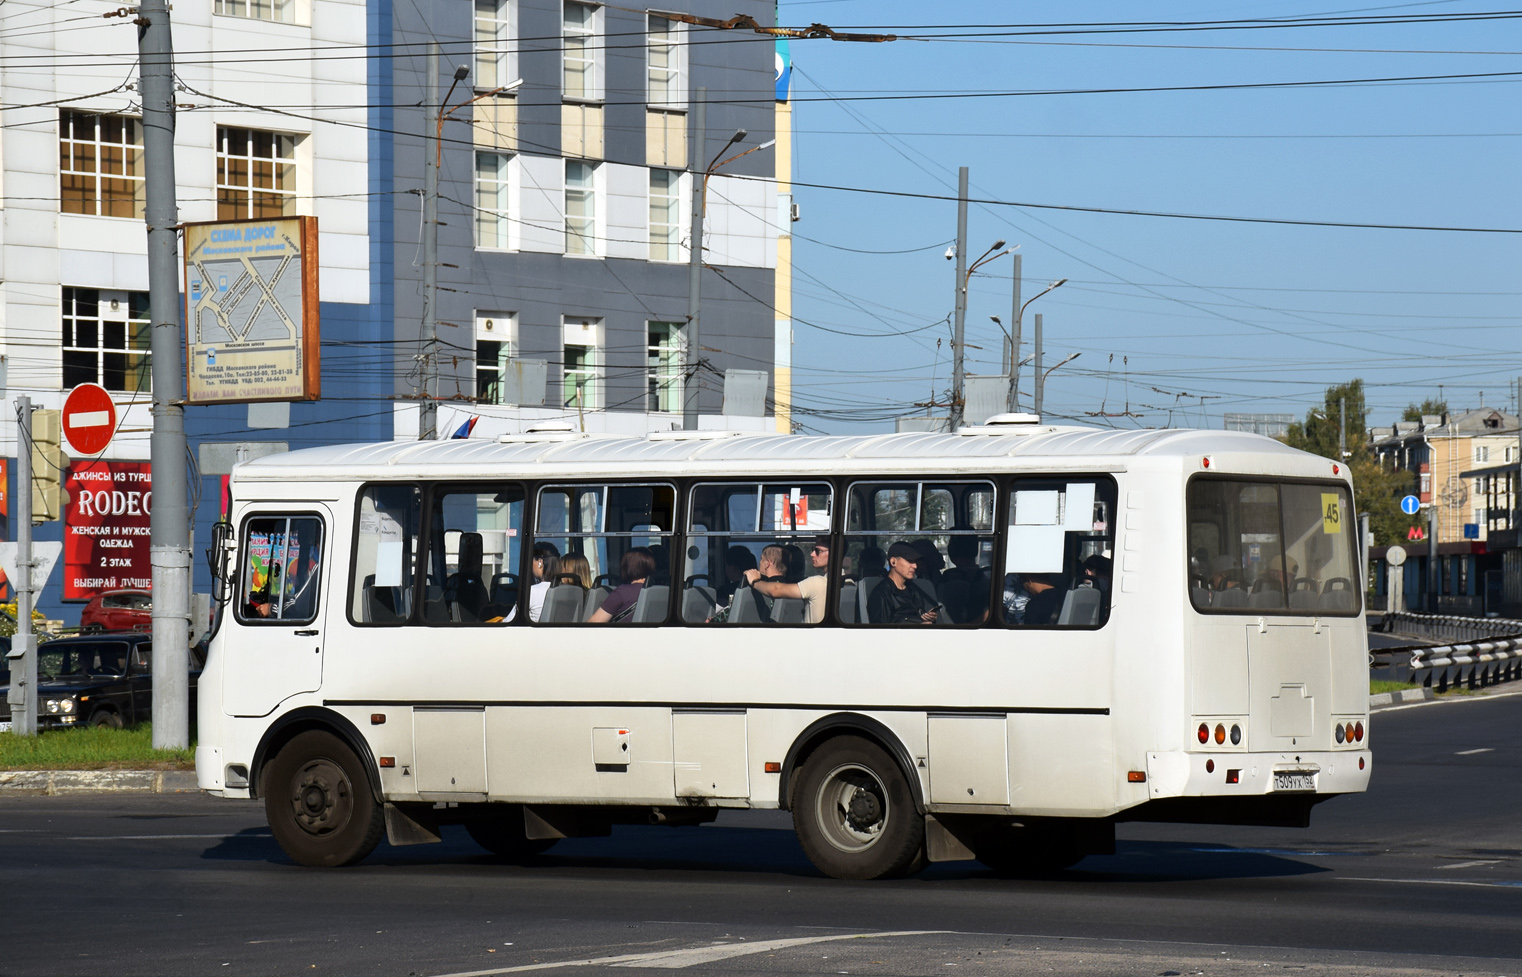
(322, 798)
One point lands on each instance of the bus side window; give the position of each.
(385, 554)
(282, 563)
(588, 530)
(1059, 551)
(473, 540)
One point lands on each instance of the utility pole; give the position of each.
(1342, 429)
(1014, 340)
(958, 394)
(695, 155)
(1432, 569)
(22, 660)
(1040, 380)
(170, 522)
(428, 413)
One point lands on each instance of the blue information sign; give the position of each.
(1410, 505)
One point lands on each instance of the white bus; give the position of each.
(993, 644)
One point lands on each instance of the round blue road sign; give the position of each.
(1410, 505)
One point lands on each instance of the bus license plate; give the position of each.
(1294, 780)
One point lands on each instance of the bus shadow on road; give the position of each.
(1171, 861)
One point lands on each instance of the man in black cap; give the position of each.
(898, 600)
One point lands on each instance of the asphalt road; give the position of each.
(1422, 874)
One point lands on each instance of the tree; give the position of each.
(1375, 491)
(1429, 408)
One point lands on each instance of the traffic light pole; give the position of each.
(170, 521)
(22, 696)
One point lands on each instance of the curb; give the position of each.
(53, 782)
(1379, 700)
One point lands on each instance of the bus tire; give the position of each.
(502, 834)
(1021, 851)
(319, 803)
(854, 813)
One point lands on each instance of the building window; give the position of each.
(106, 338)
(1481, 452)
(493, 34)
(663, 68)
(580, 390)
(280, 11)
(1426, 483)
(492, 200)
(579, 59)
(580, 208)
(494, 347)
(1511, 454)
(664, 359)
(256, 174)
(100, 165)
(665, 214)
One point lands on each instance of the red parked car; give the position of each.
(118, 610)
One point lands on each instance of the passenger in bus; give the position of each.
(1097, 571)
(546, 568)
(964, 587)
(737, 559)
(774, 563)
(931, 562)
(577, 566)
(810, 590)
(661, 575)
(635, 568)
(1047, 594)
(871, 562)
(898, 599)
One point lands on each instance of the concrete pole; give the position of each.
(428, 414)
(22, 662)
(1014, 354)
(1040, 380)
(695, 154)
(170, 520)
(1342, 429)
(958, 394)
(1433, 577)
(1516, 495)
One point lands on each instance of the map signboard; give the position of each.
(251, 294)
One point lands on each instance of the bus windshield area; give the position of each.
(1274, 547)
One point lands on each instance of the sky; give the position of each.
(1178, 321)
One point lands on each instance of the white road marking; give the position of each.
(1487, 861)
(1450, 700)
(1483, 749)
(156, 837)
(1483, 885)
(693, 956)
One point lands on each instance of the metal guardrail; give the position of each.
(1449, 627)
(1471, 664)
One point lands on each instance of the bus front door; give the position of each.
(280, 609)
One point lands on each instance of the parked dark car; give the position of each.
(95, 680)
(118, 610)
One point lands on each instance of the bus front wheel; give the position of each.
(319, 803)
(854, 812)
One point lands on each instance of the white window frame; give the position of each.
(494, 224)
(1482, 452)
(137, 360)
(663, 380)
(132, 173)
(272, 11)
(673, 42)
(590, 38)
(583, 230)
(500, 328)
(669, 247)
(287, 195)
(579, 332)
(495, 54)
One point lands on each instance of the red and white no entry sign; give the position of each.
(89, 418)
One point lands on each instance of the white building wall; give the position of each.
(739, 229)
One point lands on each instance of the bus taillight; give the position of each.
(1220, 734)
(1204, 733)
(1358, 731)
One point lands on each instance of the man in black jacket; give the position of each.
(898, 600)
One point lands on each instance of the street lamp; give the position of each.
(1041, 381)
(958, 372)
(1019, 309)
(695, 258)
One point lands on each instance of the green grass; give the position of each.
(1385, 685)
(91, 749)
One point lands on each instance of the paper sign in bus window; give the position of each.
(1035, 549)
(1078, 515)
(1036, 507)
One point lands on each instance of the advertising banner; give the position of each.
(252, 328)
(105, 528)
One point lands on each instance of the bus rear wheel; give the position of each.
(319, 803)
(502, 834)
(854, 813)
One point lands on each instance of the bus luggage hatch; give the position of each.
(1290, 673)
(710, 753)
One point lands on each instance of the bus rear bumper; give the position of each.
(1257, 774)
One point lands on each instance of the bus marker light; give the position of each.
(377, 718)
(1210, 766)
(773, 767)
(1233, 776)
(1336, 470)
(1236, 735)
(1360, 763)
(1358, 731)
(1220, 734)
(1205, 462)
(1338, 734)
(1204, 732)
(388, 761)
(1136, 776)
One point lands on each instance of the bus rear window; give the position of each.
(1271, 547)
